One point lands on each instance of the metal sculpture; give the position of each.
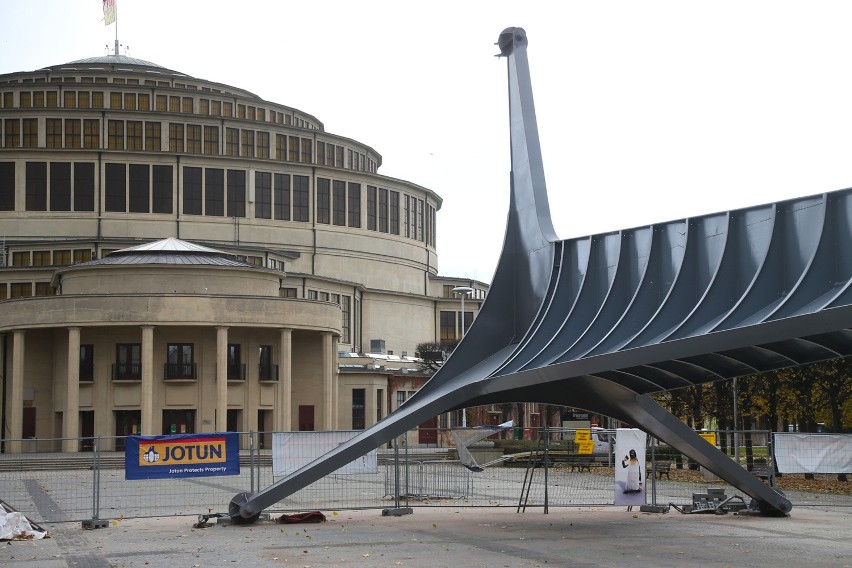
(600, 322)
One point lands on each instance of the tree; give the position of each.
(432, 355)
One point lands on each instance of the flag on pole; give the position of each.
(109, 12)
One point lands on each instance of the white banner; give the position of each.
(630, 466)
(813, 453)
(292, 450)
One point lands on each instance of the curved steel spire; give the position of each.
(600, 322)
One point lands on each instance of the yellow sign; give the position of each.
(585, 447)
(582, 436)
(709, 436)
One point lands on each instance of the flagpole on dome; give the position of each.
(115, 18)
(110, 17)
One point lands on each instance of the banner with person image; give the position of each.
(630, 466)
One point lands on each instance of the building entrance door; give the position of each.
(306, 418)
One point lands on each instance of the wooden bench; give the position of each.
(579, 462)
(662, 468)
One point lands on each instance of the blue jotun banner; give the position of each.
(181, 455)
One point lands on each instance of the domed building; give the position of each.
(180, 255)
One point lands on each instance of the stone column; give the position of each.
(284, 402)
(71, 416)
(327, 383)
(221, 424)
(16, 397)
(146, 392)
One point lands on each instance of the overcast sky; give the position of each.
(647, 111)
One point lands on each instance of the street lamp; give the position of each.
(463, 291)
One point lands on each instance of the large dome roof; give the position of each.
(113, 60)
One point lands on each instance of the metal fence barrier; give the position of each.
(541, 470)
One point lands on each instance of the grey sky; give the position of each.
(648, 111)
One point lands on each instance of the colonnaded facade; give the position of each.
(180, 255)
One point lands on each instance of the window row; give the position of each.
(132, 101)
(49, 257)
(155, 136)
(15, 290)
(218, 192)
(180, 363)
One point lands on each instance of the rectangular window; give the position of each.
(263, 144)
(241, 111)
(62, 258)
(247, 146)
(134, 135)
(420, 220)
(216, 108)
(394, 212)
(153, 136)
(52, 99)
(236, 369)
(180, 363)
(129, 101)
(301, 206)
(193, 138)
(358, 409)
(203, 106)
(161, 103)
(329, 155)
(115, 198)
(228, 109)
(144, 101)
(448, 326)
(323, 201)
(346, 312)
(53, 129)
(27, 100)
(128, 362)
(371, 208)
(354, 198)
(36, 186)
(174, 104)
(87, 362)
(263, 195)
(191, 191)
(321, 153)
(60, 186)
(7, 186)
(84, 186)
(163, 189)
(70, 99)
(232, 142)
(175, 137)
(339, 203)
(186, 105)
(44, 289)
(265, 370)
(73, 137)
(280, 147)
(115, 100)
(97, 99)
(307, 151)
(214, 192)
(91, 133)
(31, 133)
(236, 193)
(115, 135)
(293, 149)
(41, 258)
(82, 255)
(281, 196)
(21, 290)
(406, 218)
(289, 292)
(211, 140)
(140, 192)
(12, 136)
(84, 99)
(380, 396)
(21, 258)
(383, 210)
(401, 395)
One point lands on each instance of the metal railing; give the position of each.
(48, 484)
